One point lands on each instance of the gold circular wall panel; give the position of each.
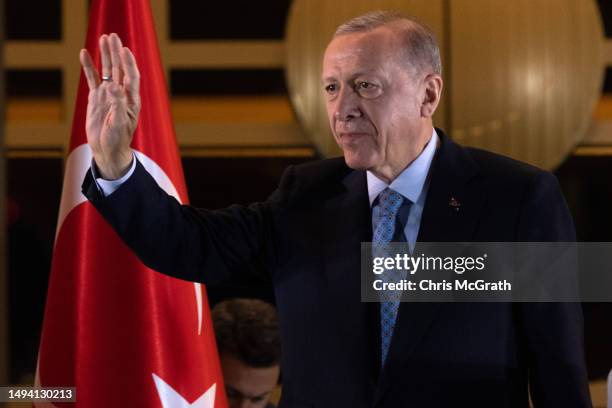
(521, 77)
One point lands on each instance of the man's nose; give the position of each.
(347, 105)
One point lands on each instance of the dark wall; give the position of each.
(33, 197)
(586, 184)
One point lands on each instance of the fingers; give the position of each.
(115, 47)
(91, 74)
(117, 62)
(131, 79)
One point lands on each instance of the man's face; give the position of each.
(374, 100)
(248, 387)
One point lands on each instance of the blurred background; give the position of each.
(531, 79)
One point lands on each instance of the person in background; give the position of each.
(249, 349)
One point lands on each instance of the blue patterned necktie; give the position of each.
(387, 229)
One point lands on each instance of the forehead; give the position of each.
(248, 380)
(365, 51)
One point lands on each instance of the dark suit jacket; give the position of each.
(306, 238)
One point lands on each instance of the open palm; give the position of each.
(113, 105)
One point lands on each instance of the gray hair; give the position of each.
(419, 40)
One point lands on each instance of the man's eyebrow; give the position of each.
(261, 395)
(353, 76)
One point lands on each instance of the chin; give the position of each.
(356, 162)
(359, 154)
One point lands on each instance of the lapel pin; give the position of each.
(454, 204)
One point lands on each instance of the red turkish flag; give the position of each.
(120, 333)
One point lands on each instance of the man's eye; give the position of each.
(367, 89)
(331, 88)
(365, 85)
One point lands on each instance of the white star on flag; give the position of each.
(172, 399)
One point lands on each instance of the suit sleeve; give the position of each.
(229, 246)
(553, 332)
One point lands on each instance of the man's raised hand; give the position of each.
(113, 106)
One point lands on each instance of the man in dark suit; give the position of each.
(400, 179)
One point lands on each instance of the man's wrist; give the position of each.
(113, 170)
(108, 187)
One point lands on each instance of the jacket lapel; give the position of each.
(454, 200)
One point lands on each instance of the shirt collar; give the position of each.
(410, 182)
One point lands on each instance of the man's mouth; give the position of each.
(352, 135)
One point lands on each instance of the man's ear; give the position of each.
(433, 91)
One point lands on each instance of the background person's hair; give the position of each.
(247, 329)
(419, 40)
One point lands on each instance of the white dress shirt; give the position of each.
(412, 183)
(108, 187)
